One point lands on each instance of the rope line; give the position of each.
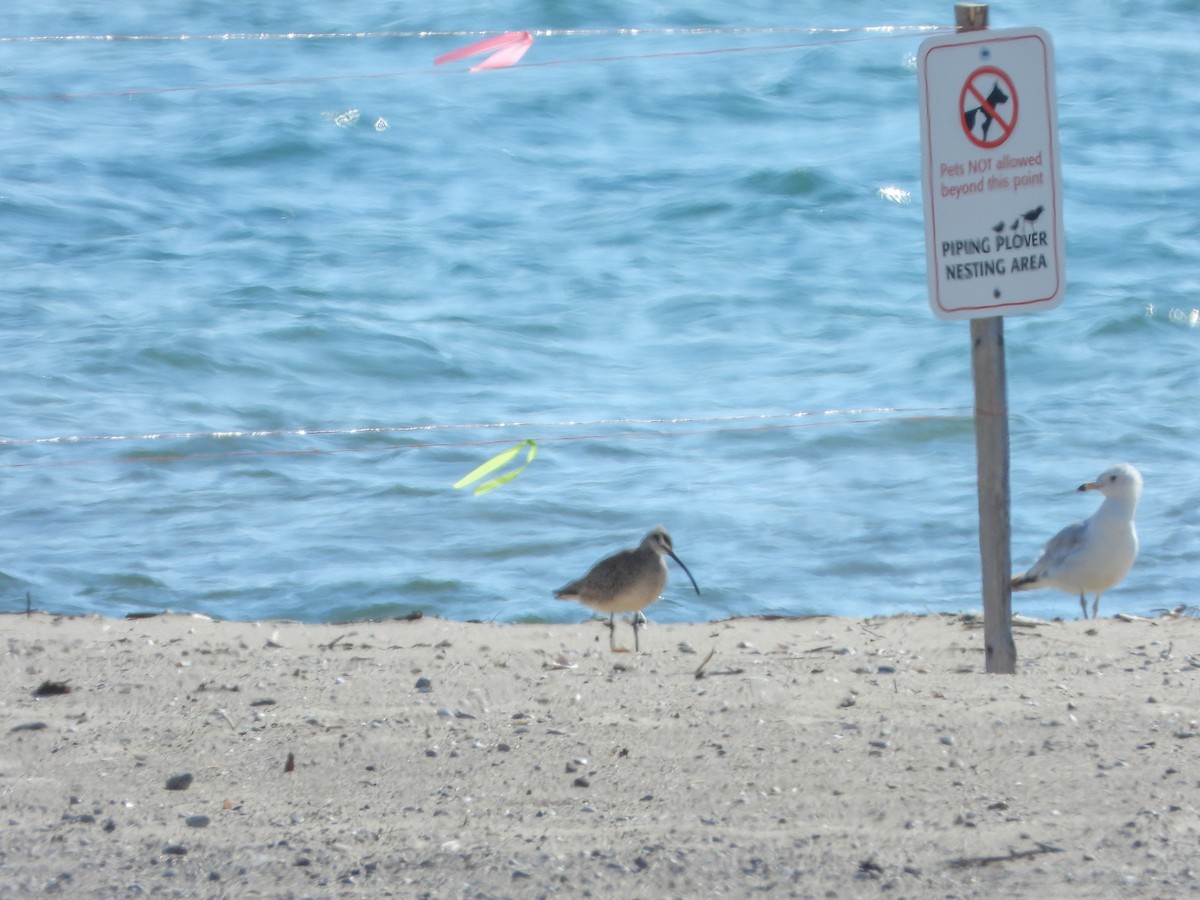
(463, 426)
(882, 32)
(860, 417)
(542, 32)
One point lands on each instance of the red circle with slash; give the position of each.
(974, 97)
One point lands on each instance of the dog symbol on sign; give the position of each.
(981, 111)
(994, 99)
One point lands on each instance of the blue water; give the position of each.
(371, 258)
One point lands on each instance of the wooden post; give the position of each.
(970, 16)
(991, 456)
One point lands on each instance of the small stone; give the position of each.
(424, 685)
(179, 782)
(582, 782)
(175, 850)
(52, 689)
(197, 821)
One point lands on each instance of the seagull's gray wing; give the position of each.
(1058, 550)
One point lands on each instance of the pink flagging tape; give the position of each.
(505, 49)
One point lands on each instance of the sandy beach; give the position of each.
(824, 757)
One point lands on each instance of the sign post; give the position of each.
(994, 240)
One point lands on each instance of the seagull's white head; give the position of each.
(1122, 482)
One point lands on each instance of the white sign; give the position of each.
(990, 174)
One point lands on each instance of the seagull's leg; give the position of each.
(1096, 606)
(1083, 604)
(636, 647)
(612, 633)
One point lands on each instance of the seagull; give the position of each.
(627, 581)
(1095, 554)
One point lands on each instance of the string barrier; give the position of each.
(596, 430)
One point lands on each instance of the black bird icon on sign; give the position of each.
(994, 99)
(1028, 217)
